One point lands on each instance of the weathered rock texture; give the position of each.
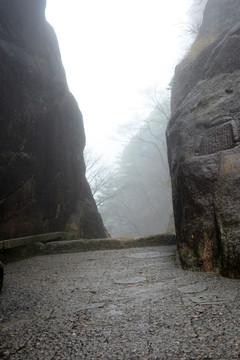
(1, 275)
(203, 144)
(42, 172)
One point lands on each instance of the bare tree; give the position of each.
(99, 176)
(156, 99)
(196, 16)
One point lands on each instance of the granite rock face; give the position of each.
(203, 144)
(42, 172)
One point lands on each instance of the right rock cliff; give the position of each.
(203, 144)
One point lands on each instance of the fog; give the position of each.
(112, 50)
(119, 58)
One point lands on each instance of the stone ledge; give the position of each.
(45, 245)
(30, 240)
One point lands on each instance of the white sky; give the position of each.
(113, 49)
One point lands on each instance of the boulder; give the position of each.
(203, 144)
(42, 171)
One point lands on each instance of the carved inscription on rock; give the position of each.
(219, 138)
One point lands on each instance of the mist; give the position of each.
(119, 62)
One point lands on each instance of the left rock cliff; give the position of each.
(42, 173)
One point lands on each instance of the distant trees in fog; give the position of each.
(134, 198)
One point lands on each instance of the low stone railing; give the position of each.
(59, 242)
(53, 243)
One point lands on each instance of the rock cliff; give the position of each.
(203, 144)
(42, 172)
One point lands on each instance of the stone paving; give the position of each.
(118, 304)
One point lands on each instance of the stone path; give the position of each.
(119, 304)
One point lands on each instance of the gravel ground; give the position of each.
(119, 304)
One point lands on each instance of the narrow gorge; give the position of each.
(42, 171)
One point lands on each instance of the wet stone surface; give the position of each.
(123, 304)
